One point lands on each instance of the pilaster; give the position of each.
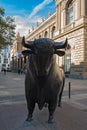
(83, 8)
(79, 8)
(58, 17)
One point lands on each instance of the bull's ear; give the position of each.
(27, 52)
(60, 53)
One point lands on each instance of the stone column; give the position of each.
(49, 32)
(58, 17)
(83, 7)
(64, 17)
(79, 8)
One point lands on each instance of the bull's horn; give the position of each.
(60, 45)
(29, 45)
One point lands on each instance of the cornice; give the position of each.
(52, 17)
(70, 31)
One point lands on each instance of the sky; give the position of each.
(27, 12)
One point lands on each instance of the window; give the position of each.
(69, 12)
(39, 36)
(53, 31)
(46, 34)
(67, 63)
(5, 60)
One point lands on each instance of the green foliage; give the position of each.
(2, 12)
(7, 28)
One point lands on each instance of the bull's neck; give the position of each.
(42, 80)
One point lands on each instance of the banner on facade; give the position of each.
(19, 54)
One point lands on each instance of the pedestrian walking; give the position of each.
(4, 71)
(19, 71)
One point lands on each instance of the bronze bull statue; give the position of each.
(44, 80)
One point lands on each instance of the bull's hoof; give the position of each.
(29, 119)
(59, 105)
(51, 120)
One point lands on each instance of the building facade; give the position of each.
(5, 58)
(18, 61)
(69, 20)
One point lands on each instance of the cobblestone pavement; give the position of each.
(11, 87)
(78, 93)
(12, 117)
(13, 109)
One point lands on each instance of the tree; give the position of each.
(7, 28)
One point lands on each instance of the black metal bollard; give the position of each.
(69, 90)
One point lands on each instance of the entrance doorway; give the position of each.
(67, 63)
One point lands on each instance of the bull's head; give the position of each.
(42, 51)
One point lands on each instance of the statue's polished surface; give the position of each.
(44, 80)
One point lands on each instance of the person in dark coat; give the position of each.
(19, 71)
(4, 71)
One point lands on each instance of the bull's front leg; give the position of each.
(51, 108)
(30, 106)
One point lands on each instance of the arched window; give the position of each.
(69, 12)
(46, 34)
(53, 31)
(39, 36)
